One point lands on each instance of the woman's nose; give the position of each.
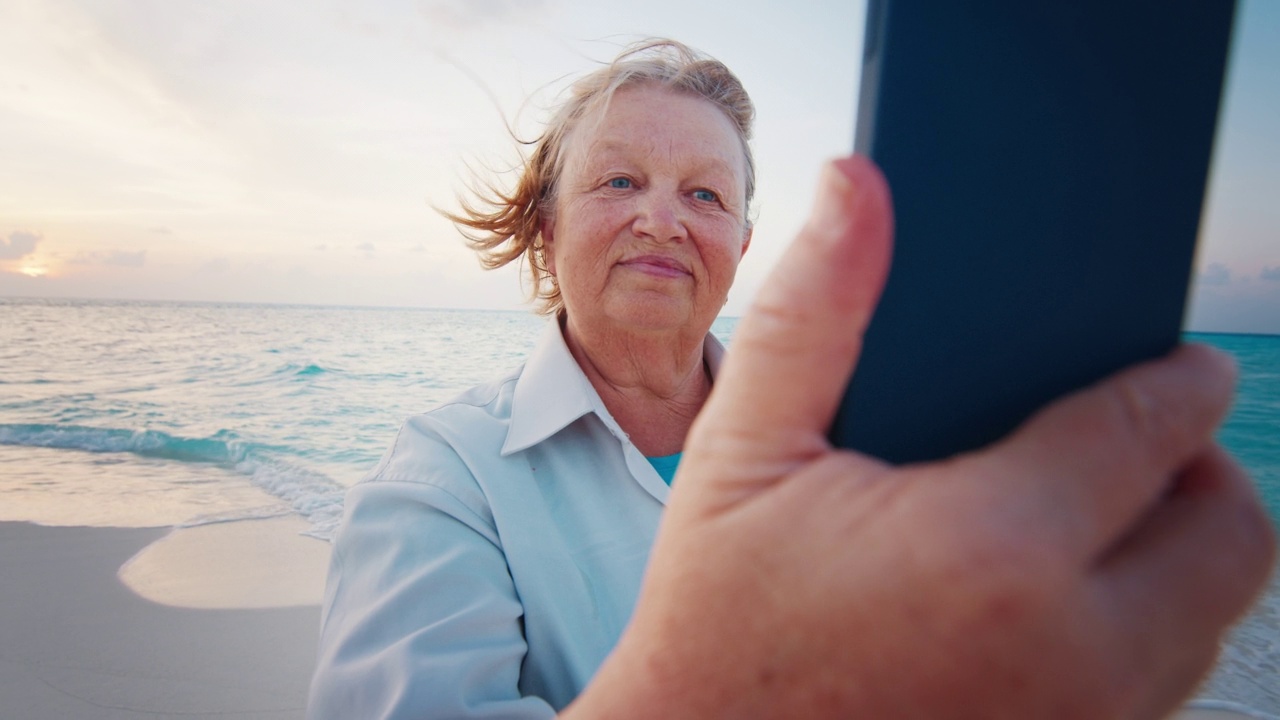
(660, 217)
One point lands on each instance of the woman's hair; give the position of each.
(505, 226)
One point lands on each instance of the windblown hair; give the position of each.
(504, 226)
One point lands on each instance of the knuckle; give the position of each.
(773, 312)
(1140, 418)
(1135, 408)
(778, 326)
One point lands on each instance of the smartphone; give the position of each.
(1048, 163)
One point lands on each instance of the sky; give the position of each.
(294, 152)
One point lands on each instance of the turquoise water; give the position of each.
(143, 414)
(1249, 669)
(1252, 432)
(264, 409)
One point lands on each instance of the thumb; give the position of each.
(794, 351)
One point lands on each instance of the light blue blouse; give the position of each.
(491, 560)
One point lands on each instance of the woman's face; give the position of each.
(650, 217)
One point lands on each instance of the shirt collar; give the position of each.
(552, 391)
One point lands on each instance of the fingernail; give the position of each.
(833, 209)
(1211, 363)
(1225, 361)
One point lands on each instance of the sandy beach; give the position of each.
(75, 642)
(208, 622)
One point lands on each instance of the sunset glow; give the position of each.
(294, 153)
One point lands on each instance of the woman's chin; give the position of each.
(654, 314)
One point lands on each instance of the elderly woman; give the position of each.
(491, 565)
(490, 562)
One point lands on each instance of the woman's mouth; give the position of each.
(656, 265)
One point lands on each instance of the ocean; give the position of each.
(142, 414)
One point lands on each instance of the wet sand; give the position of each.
(76, 643)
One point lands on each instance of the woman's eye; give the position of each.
(705, 195)
(620, 183)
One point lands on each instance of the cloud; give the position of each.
(20, 244)
(216, 265)
(423, 248)
(118, 258)
(1271, 274)
(22, 285)
(366, 247)
(1241, 307)
(126, 259)
(1215, 274)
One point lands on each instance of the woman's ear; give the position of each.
(547, 231)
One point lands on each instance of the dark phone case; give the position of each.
(1048, 164)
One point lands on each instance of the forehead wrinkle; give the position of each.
(593, 136)
(604, 147)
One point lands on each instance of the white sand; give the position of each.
(242, 564)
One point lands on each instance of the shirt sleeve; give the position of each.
(421, 618)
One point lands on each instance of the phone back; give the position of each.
(1048, 164)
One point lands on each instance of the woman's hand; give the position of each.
(1084, 567)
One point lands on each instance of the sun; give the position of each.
(34, 271)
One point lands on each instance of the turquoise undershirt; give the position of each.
(666, 466)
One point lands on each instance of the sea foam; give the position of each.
(305, 492)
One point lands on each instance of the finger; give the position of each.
(1101, 457)
(795, 349)
(1188, 570)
